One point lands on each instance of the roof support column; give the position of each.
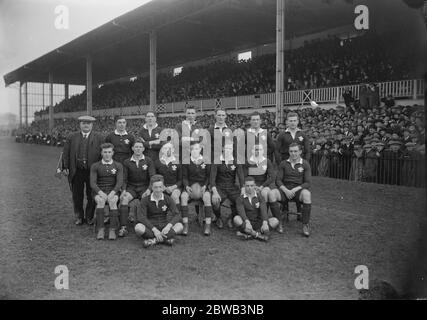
(26, 103)
(66, 91)
(20, 104)
(51, 121)
(89, 85)
(153, 69)
(280, 59)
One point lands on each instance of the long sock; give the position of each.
(216, 211)
(275, 210)
(184, 211)
(99, 217)
(178, 206)
(306, 211)
(124, 214)
(208, 213)
(114, 219)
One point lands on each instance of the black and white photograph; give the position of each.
(212, 155)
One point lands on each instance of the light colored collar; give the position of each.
(217, 126)
(299, 161)
(105, 162)
(245, 195)
(120, 134)
(260, 130)
(221, 158)
(196, 160)
(257, 160)
(188, 123)
(135, 160)
(86, 134)
(296, 130)
(168, 160)
(156, 200)
(154, 127)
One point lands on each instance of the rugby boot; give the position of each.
(169, 242)
(112, 234)
(219, 223)
(149, 243)
(101, 234)
(306, 230)
(185, 230)
(207, 231)
(123, 231)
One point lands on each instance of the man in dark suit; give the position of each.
(81, 150)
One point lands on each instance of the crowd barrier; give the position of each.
(412, 89)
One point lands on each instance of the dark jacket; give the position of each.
(71, 149)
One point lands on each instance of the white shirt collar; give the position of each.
(152, 197)
(217, 126)
(105, 162)
(260, 130)
(221, 158)
(298, 162)
(168, 160)
(120, 134)
(196, 160)
(245, 195)
(86, 134)
(257, 160)
(154, 127)
(134, 159)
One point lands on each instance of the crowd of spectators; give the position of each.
(384, 144)
(319, 63)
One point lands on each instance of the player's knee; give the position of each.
(207, 198)
(100, 202)
(139, 229)
(272, 196)
(306, 196)
(264, 194)
(273, 222)
(238, 221)
(176, 195)
(126, 198)
(184, 197)
(178, 227)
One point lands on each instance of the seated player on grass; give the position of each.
(223, 182)
(137, 172)
(195, 178)
(252, 213)
(293, 180)
(171, 170)
(106, 179)
(152, 221)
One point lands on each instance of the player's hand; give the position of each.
(203, 190)
(264, 227)
(111, 195)
(158, 235)
(248, 226)
(66, 172)
(289, 194)
(157, 141)
(146, 193)
(216, 198)
(189, 190)
(103, 195)
(166, 229)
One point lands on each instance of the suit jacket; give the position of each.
(71, 149)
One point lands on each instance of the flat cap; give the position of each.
(86, 118)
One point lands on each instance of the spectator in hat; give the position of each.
(391, 161)
(356, 170)
(81, 150)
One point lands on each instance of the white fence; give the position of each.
(412, 89)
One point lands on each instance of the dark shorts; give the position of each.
(179, 188)
(271, 186)
(230, 193)
(136, 192)
(285, 199)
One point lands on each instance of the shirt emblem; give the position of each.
(164, 208)
(264, 167)
(233, 167)
(196, 131)
(157, 135)
(144, 167)
(263, 138)
(174, 167)
(301, 169)
(203, 165)
(113, 171)
(257, 204)
(300, 138)
(127, 141)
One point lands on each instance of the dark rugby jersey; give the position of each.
(265, 179)
(172, 172)
(151, 151)
(195, 173)
(299, 175)
(152, 214)
(284, 140)
(252, 211)
(224, 176)
(106, 176)
(122, 145)
(139, 175)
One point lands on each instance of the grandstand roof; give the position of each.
(186, 30)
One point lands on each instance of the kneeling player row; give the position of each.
(174, 185)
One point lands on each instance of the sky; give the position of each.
(27, 31)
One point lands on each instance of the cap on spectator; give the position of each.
(380, 143)
(86, 119)
(394, 142)
(367, 146)
(410, 144)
